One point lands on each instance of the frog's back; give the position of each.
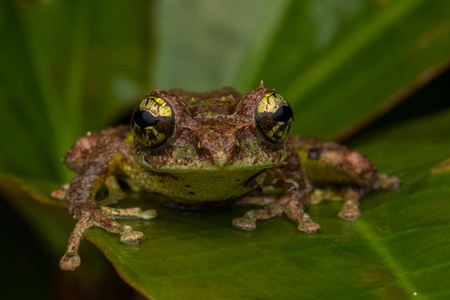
(210, 106)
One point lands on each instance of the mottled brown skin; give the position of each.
(212, 143)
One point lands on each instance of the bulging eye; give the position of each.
(274, 117)
(153, 122)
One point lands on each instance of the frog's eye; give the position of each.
(274, 117)
(153, 122)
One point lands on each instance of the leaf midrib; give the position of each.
(376, 242)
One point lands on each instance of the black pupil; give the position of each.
(144, 119)
(283, 114)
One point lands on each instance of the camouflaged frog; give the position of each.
(197, 149)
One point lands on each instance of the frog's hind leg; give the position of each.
(352, 195)
(349, 195)
(350, 208)
(386, 182)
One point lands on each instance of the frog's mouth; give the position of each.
(200, 167)
(188, 164)
(185, 158)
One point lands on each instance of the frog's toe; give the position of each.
(61, 193)
(350, 214)
(387, 182)
(133, 213)
(70, 261)
(309, 227)
(129, 236)
(148, 214)
(244, 223)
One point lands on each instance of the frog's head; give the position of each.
(179, 131)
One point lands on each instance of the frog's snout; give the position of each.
(219, 152)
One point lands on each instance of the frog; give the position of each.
(196, 150)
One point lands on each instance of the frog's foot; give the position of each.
(61, 193)
(293, 209)
(349, 214)
(248, 221)
(94, 216)
(350, 209)
(388, 183)
(244, 223)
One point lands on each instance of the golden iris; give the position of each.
(153, 122)
(274, 117)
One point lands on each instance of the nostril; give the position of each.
(233, 153)
(204, 144)
(204, 151)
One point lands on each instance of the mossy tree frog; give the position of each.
(197, 149)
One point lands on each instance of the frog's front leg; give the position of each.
(109, 155)
(115, 193)
(291, 205)
(297, 195)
